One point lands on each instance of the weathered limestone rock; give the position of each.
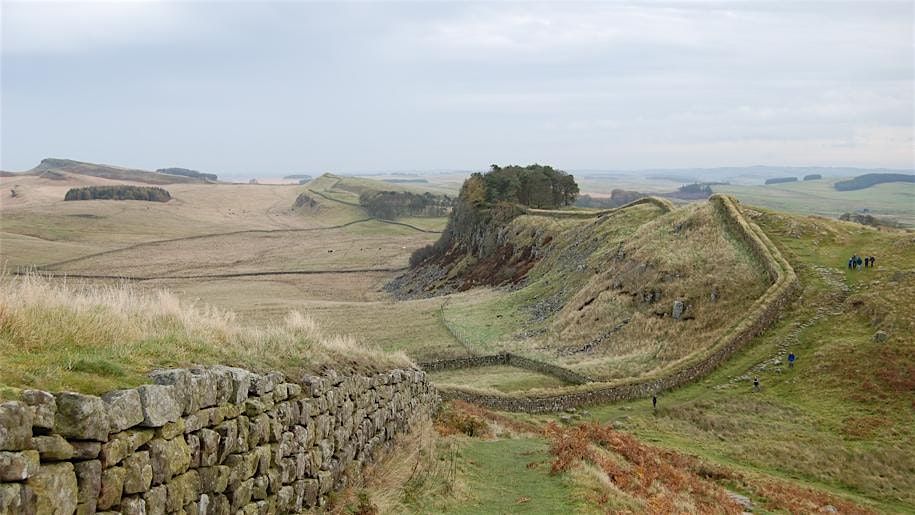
(159, 405)
(85, 450)
(16, 498)
(243, 466)
(168, 458)
(139, 473)
(241, 495)
(18, 466)
(180, 381)
(133, 506)
(124, 409)
(112, 487)
(15, 426)
(43, 408)
(214, 479)
(55, 488)
(235, 384)
(155, 500)
(678, 309)
(206, 384)
(114, 451)
(171, 429)
(81, 417)
(209, 447)
(89, 482)
(182, 490)
(53, 448)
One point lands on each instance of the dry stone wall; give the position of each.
(783, 288)
(507, 359)
(213, 440)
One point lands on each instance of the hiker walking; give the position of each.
(654, 402)
(756, 384)
(873, 261)
(851, 262)
(791, 358)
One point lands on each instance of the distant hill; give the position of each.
(870, 179)
(54, 167)
(299, 176)
(211, 177)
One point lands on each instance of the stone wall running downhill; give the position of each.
(214, 440)
(507, 359)
(665, 205)
(783, 287)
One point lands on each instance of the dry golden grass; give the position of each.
(56, 335)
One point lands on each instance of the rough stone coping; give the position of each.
(784, 286)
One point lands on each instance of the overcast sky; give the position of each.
(266, 88)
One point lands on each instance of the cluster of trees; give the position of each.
(813, 177)
(870, 179)
(779, 180)
(184, 172)
(149, 193)
(533, 185)
(394, 204)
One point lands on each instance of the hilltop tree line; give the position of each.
(394, 204)
(534, 185)
(870, 179)
(123, 192)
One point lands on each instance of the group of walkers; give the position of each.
(856, 262)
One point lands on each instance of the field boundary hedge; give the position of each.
(783, 287)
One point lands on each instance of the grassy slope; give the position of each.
(842, 418)
(891, 200)
(596, 272)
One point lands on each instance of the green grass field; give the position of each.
(894, 201)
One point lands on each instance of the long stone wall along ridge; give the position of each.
(208, 440)
(783, 287)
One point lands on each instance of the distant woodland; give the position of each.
(870, 179)
(779, 180)
(395, 204)
(148, 193)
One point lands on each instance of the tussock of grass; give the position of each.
(57, 336)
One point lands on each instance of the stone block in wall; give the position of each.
(15, 426)
(124, 409)
(82, 417)
(209, 447)
(196, 421)
(276, 481)
(135, 438)
(259, 430)
(114, 451)
(193, 444)
(42, 406)
(182, 490)
(214, 479)
(171, 429)
(233, 385)
(242, 467)
(285, 498)
(55, 489)
(254, 407)
(159, 404)
(243, 423)
(180, 381)
(241, 495)
(168, 458)
(281, 392)
(139, 473)
(18, 466)
(88, 482)
(53, 448)
(199, 507)
(17, 498)
(206, 385)
(264, 458)
(260, 489)
(133, 505)
(228, 437)
(219, 505)
(155, 500)
(85, 450)
(312, 491)
(112, 487)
